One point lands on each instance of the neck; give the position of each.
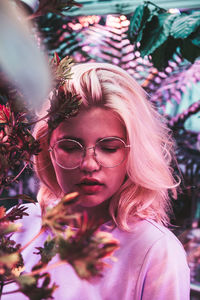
(99, 213)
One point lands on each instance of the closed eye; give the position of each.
(70, 150)
(69, 147)
(109, 149)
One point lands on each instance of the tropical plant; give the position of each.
(160, 34)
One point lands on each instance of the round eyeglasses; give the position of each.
(108, 152)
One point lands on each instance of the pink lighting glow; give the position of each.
(117, 21)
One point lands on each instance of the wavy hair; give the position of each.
(149, 180)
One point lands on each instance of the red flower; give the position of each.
(5, 113)
(2, 212)
(3, 136)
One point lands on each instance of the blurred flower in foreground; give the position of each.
(78, 240)
(86, 248)
(73, 237)
(10, 257)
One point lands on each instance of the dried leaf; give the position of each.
(61, 69)
(63, 106)
(17, 212)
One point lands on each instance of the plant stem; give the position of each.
(34, 122)
(11, 292)
(9, 198)
(19, 173)
(1, 288)
(8, 282)
(33, 239)
(47, 268)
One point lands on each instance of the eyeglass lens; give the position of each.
(108, 152)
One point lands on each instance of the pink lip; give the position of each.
(90, 185)
(89, 181)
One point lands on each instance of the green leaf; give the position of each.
(9, 260)
(36, 289)
(189, 50)
(137, 22)
(195, 38)
(25, 280)
(64, 247)
(156, 33)
(196, 42)
(184, 25)
(164, 53)
(141, 18)
(49, 250)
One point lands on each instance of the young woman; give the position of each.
(116, 153)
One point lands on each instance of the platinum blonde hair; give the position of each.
(145, 192)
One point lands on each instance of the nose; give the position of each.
(89, 162)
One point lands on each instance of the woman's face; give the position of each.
(94, 182)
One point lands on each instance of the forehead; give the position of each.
(91, 124)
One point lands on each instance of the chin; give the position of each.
(90, 201)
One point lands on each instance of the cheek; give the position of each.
(117, 177)
(65, 178)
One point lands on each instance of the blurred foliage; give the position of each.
(83, 248)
